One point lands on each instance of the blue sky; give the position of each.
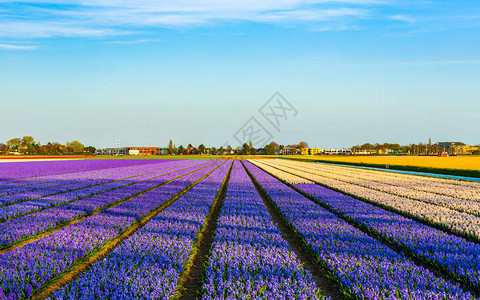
(195, 71)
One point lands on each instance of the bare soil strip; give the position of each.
(49, 231)
(445, 274)
(85, 263)
(192, 279)
(322, 277)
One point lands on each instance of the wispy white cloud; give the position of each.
(339, 27)
(17, 47)
(39, 18)
(201, 5)
(303, 15)
(33, 29)
(96, 18)
(194, 14)
(402, 18)
(142, 41)
(336, 62)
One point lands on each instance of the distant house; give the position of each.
(145, 151)
(311, 151)
(132, 151)
(260, 151)
(337, 152)
(192, 150)
(449, 145)
(110, 151)
(466, 149)
(288, 150)
(453, 147)
(391, 151)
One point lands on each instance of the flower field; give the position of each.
(451, 162)
(234, 229)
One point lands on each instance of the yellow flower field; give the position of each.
(451, 162)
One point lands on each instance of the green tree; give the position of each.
(355, 149)
(76, 147)
(170, 147)
(201, 148)
(303, 144)
(90, 149)
(245, 149)
(275, 145)
(58, 148)
(270, 149)
(27, 140)
(28, 145)
(34, 148)
(50, 148)
(3, 149)
(13, 144)
(366, 146)
(181, 150)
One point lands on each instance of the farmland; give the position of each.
(450, 164)
(234, 229)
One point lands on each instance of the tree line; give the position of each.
(27, 145)
(386, 148)
(245, 149)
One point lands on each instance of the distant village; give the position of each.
(28, 146)
(440, 148)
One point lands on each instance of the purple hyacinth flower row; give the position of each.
(65, 182)
(15, 170)
(450, 252)
(25, 184)
(363, 265)
(250, 260)
(63, 195)
(147, 265)
(36, 186)
(28, 225)
(24, 270)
